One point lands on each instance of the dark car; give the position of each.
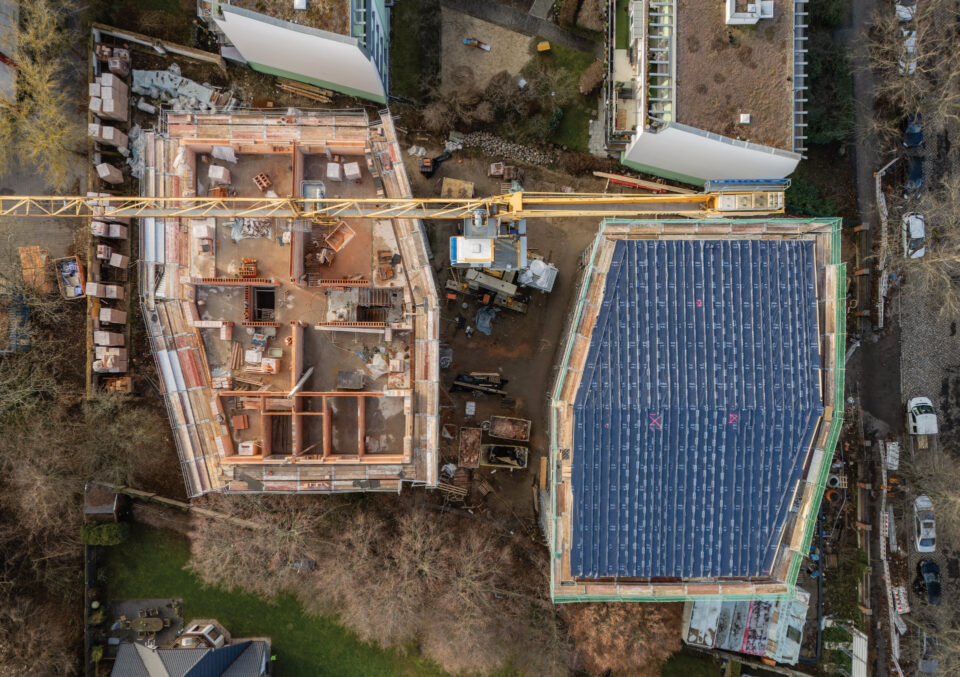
(928, 581)
(914, 181)
(929, 661)
(913, 133)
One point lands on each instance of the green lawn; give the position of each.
(150, 565)
(573, 132)
(622, 25)
(689, 664)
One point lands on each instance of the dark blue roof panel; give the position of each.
(697, 404)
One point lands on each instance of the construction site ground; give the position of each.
(522, 348)
(463, 66)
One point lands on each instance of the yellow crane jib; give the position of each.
(517, 205)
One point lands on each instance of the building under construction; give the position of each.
(696, 409)
(295, 355)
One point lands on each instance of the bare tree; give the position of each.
(33, 640)
(927, 80)
(37, 126)
(938, 271)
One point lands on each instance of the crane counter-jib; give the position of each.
(510, 206)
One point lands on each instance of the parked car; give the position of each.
(929, 661)
(906, 9)
(928, 581)
(907, 64)
(914, 182)
(913, 133)
(924, 525)
(921, 418)
(914, 235)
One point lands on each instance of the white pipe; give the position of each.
(303, 380)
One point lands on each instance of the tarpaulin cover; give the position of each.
(697, 404)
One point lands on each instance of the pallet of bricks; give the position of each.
(110, 318)
(109, 104)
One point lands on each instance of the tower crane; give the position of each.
(509, 206)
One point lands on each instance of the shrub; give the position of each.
(624, 637)
(568, 12)
(109, 533)
(827, 13)
(805, 197)
(830, 113)
(578, 163)
(555, 119)
(591, 78)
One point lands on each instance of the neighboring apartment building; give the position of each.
(699, 90)
(341, 45)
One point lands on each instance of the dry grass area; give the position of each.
(723, 71)
(463, 67)
(325, 15)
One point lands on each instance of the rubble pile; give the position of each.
(494, 145)
(169, 87)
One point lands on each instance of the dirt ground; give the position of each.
(522, 348)
(464, 66)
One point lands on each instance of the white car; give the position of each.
(906, 9)
(907, 65)
(925, 529)
(914, 235)
(921, 418)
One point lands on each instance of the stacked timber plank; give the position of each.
(305, 90)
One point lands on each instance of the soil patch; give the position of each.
(465, 66)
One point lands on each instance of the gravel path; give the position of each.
(930, 357)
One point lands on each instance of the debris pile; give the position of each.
(251, 227)
(494, 145)
(181, 94)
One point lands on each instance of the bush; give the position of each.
(96, 617)
(827, 13)
(830, 112)
(805, 197)
(591, 78)
(96, 654)
(555, 119)
(109, 533)
(624, 637)
(579, 164)
(568, 12)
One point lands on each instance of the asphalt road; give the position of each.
(874, 370)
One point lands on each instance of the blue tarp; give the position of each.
(698, 402)
(484, 319)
